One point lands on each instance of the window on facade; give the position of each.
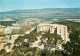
(60, 31)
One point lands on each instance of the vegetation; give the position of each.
(72, 48)
(19, 40)
(1, 34)
(15, 31)
(2, 52)
(9, 44)
(26, 51)
(51, 39)
(22, 31)
(7, 23)
(72, 26)
(32, 36)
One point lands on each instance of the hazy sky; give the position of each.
(6, 5)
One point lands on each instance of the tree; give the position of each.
(15, 31)
(52, 39)
(10, 37)
(28, 27)
(22, 31)
(32, 36)
(45, 53)
(15, 52)
(58, 53)
(19, 40)
(72, 48)
(9, 45)
(57, 39)
(29, 54)
(1, 33)
(51, 53)
(70, 25)
(2, 52)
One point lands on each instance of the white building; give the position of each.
(9, 29)
(59, 29)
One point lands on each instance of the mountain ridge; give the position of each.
(40, 10)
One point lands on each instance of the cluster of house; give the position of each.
(4, 41)
(7, 30)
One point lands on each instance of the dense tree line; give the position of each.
(51, 39)
(7, 23)
(26, 51)
(72, 48)
(71, 25)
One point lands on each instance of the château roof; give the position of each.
(54, 25)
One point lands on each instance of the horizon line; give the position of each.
(34, 9)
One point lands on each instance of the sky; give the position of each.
(8, 5)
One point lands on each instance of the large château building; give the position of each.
(59, 29)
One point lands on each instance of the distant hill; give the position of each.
(41, 10)
(46, 14)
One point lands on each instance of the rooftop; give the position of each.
(55, 25)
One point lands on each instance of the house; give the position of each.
(1, 38)
(2, 46)
(9, 29)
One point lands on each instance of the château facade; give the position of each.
(59, 29)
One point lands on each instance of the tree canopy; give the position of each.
(51, 38)
(72, 48)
